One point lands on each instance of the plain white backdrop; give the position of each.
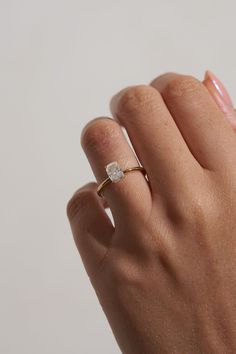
(60, 62)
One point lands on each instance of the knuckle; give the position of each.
(202, 213)
(198, 209)
(126, 275)
(99, 132)
(136, 98)
(79, 203)
(182, 86)
(124, 270)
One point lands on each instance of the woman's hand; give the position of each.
(165, 275)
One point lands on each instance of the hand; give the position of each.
(165, 275)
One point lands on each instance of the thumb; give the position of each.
(221, 97)
(91, 227)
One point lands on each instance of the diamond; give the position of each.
(114, 172)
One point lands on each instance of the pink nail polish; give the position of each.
(221, 97)
(219, 87)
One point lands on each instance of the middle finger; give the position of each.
(155, 137)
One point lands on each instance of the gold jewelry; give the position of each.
(116, 174)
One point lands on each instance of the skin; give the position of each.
(165, 274)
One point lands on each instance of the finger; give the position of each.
(104, 142)
(209, 137)
(221, 97)
(155, 137)
(91, 226)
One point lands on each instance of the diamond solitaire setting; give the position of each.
(114, 172)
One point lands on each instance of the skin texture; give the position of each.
(165, 274)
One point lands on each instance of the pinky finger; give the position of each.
(90, 225)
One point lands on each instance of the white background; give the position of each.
(60, 61)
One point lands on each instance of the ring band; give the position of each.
(115, 174)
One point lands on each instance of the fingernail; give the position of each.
(218, 91)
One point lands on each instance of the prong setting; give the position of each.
(114, 172)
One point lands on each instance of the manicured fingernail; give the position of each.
(218, 91)
(221, 96)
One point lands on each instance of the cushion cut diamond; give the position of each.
(114, 172)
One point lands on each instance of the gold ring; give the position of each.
(116, 174)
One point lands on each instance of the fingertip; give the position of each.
(114, 101)
(75, 203)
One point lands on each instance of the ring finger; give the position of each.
(104, 142)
